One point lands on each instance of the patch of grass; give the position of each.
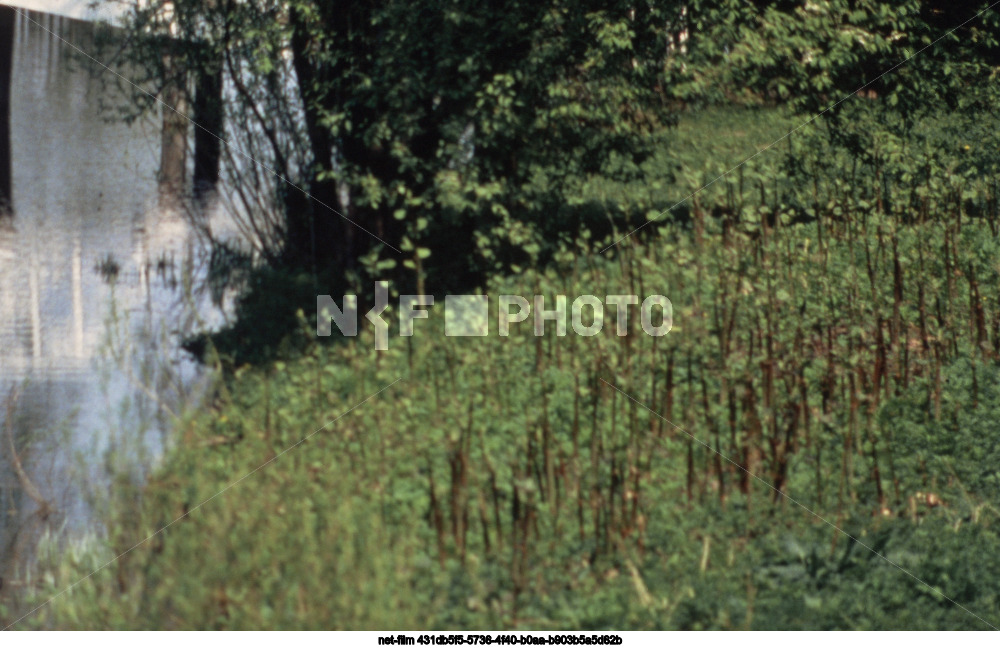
(616, 481)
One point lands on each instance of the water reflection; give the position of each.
(95, 286)
(7, 26)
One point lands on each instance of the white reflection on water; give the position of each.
(92, 354)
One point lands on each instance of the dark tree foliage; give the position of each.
(411, 128)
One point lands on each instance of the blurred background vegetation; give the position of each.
(813, 446)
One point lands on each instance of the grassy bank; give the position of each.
(849, 362)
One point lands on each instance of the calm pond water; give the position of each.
(95, 289)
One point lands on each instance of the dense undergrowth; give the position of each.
(836, 332)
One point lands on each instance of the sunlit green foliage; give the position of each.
(917, 55)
